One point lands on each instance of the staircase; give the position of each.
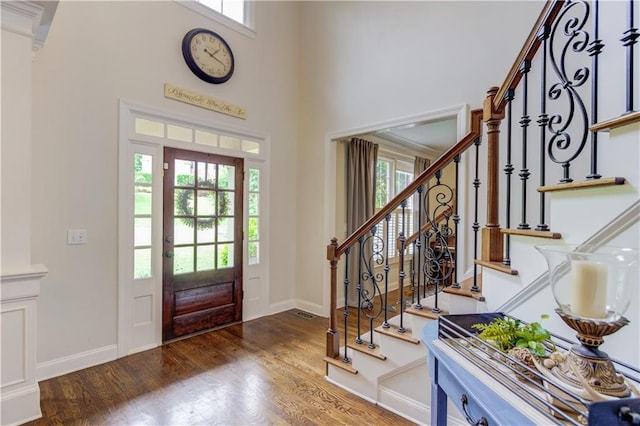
(495, 267)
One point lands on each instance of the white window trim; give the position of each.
(245, 29)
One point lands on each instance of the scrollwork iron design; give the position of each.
(372, 255)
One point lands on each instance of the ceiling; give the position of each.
(432, 137)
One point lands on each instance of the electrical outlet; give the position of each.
(77, 236)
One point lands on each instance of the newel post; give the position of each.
(492, 240)
(333, 337)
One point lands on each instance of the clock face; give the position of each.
(208, 55)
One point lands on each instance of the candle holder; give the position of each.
(591, 287)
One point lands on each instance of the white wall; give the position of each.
(369, 62)
(96, 54)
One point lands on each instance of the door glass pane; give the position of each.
(185, 173)
(225, 204)
(225, 255)
(226, 177)
(183, 260)
(206, 258)
(253, 228)
(142, 231)
(142, 263)
(225, 229)
(142, 202)
(206, 203)
(183, 231)
(253, 204)
(205, 234)
(183, 202)
(253, 253)
(206, 175)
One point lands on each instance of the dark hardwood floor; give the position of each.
(262, 372)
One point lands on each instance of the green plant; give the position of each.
(508, 333)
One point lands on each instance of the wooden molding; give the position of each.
(425, 312)
(465, 289)
(365, 349)
(583, 184)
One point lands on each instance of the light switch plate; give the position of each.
(77, 236)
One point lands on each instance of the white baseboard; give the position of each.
(404, 407)
(282, 306)
(69, 364)
(313, 308)
(20, 406)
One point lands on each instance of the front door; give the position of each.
(202, 242)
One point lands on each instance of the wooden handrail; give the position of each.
(441, 162)
(528, 51)
(425, 226)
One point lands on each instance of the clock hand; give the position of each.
(221, 63)
(211, 54)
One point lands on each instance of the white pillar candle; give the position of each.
(588, 289)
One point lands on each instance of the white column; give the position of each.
(19, 279)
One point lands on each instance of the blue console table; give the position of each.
(483, 400)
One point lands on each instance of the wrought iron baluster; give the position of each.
(476, 223)
(594, 51)
(524, 124)
(456, 221)
(372, 249)
(359, 288)
(403, 240)
(385, 324)
(418, 246)
(508, 169)
(543, 120)
(629, 40)
(346, 303)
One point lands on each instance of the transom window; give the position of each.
(233, 9)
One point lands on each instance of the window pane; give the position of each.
(179, 133)
(254, 180)
(254, 209)
(205, 234)
(206, 175)
(226, 177)
(185, 173)
(382, 183)
(402, 180)
(225, 229)
(206, 258)
(234, 9)
(183, 260)
(206, 138)
(225, 203)
(206, 203)
(142, 231)
(142, 166)
(251, 147)
(253, 228)
(149, 127)
(253, 253)
(142, 201)
(229, 142)
(142, 263)
(225, 255)
(213, 4)
(183, 202)
(183, 231)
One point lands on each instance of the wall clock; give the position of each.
(208, 55)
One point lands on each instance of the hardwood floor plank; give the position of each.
(268, 371)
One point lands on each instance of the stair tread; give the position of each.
(425, 312)
(365, 349)
(583, 184)
(338, 362)
(532, 233)
(393, 331)
(465, 289)
(623, 120)
(498, 266)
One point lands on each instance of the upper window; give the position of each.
(234, 14)
(233, 9)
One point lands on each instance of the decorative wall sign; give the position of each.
(203, 101)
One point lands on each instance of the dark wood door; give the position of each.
(202, 242)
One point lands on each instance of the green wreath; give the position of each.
(184, 197)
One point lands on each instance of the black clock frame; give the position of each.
(191, 63)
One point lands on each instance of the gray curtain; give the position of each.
(362, 156)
